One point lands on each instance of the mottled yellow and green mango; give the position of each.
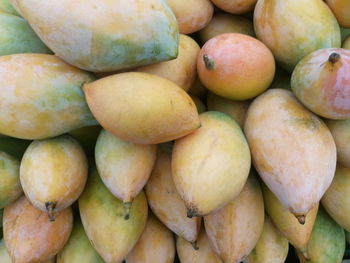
(6, 7)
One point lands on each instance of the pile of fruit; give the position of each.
(192, 131)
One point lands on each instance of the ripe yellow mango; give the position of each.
(142, 108)
(29, 236)
(211, 165)
(41, 96)
(292, 150)
(102, 215)
(53, 173)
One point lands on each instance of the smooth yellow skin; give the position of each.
(211, 165)
(142, 108)
(182, 70)
(191, 15)
(102, 215)
(53, 170)
(292, 149)
(226, 23)
(272, 246)
(237, 109)
(124, 167)
(166, 203)
(235, 229)
(4, 255)
(10, 186)
(340, 9)
(346, 43)
(156, 244)
(340, 130)
(336, 200)
(204, 254)
(41, 96)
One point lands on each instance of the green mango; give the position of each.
(102, 215)
(4, 255)
(13, 146)
(87, 137)
(6, 7)
(78, 248)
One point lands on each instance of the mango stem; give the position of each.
(50, 206)
(301, 219)
(334, 57)
(194, 245)
(127, 206)
(209, 63)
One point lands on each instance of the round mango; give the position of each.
(236, 6)
(340, 9)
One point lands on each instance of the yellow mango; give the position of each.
(236, 6)
(182, 70)
(41, 96)
(53, 173)
(204, 253)
(346, 43)
(156, 244)
(29, 236)
(198, 89)
(102, 215)
(211, 165)
(107, 36)
(340, 9)
(142, 108)
(4, 255)
(272, 246)
(166, 203)
(235, 229)
(124, 167)
(292, 150)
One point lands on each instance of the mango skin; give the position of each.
(142, 108)
(41, 96)
(98, 37)
(6, 7)
(29, 235)
(306, 26)
(292, 150)
(78, 248)
(10, 186)
(101, 213)
(346, 43)
(340, 9)
(214, 159)
(4, 255)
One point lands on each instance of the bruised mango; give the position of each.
(41, 96)
(107, 36)
(124, 167)
(211, 165)
(53, 173)
(340, 9)
(29, 236)
(142, 108)
(305, 26)
(166, 203)
(102, 215)
(292, 150)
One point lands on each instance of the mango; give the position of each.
(346, 43)
(235, 229)
(345, 33)
(29, 236)
(124, 167)
(305, 26)
(156, 244)
(226, 23)
(165, 201)
(87, 137)
(101, 213)
(321, 81)
(292, 150)
(6, 7)
(204, 253)
(340, 9)
(107, 36)
(234, 108)
(272, 246)
(13, 146)
(41, 96)
(235, 7)
(182, 70)
(4, 255)
(191, 15)
(10, 186)
(211, 165)
(199, 104)
(142, 108)
(340, 130)
(297, 234)
(78, 249)
(53, 173)
(336, 200)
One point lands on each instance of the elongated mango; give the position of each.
(102, 215)
(29, 236)
(211, 165)
(53, 173)
(142, 108)
(41, 96)
(292, 149)
(124, 167)
(165, 201)
(107, 36)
